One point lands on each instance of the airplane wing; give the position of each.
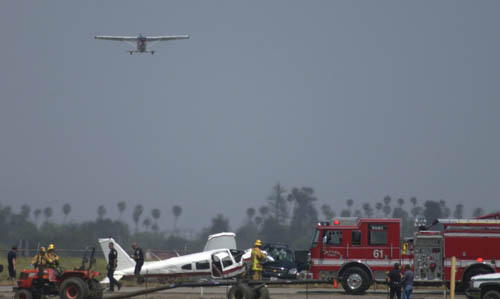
(171, 37)
(117, 38)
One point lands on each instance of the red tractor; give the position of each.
(80, 283)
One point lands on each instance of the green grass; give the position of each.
(67, 263)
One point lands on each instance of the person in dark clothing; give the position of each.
(407, 282)
(394, 280)
(11, 259)
(112, 263)
(139, 261)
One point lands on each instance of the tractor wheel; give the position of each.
(355, 280)
(240, 291)
(95, 289)
(74, 288)
(261, 293)
(23, 294)
(491, 294)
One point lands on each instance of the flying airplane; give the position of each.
(141, 42)
(216, 263)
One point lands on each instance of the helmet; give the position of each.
(51, 247)
(42, 249)
(258, 243)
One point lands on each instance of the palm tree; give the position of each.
(367, 208)
(387, 205)
(37, 213)
(349, 204)
(264, 210)
(121, 208)
(47, 213)
(177, 211)
(327, 211)
(66, 209)
(444, 209)
(146, 223)
(101, 211)
(156, 213)
(136, 215)
(387, 200)
(401, 202)
(250, 213)
(459, 211)
(25, 212)
(379, 207)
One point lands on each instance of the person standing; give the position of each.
(257, 257)
(40, 259)
(139, 261)
(394, 279)
(112, 264)
(11, 260)
(407, 282)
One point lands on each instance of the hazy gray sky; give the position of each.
(357, 99)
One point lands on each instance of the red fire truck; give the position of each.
(358, 252)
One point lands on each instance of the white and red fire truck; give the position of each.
(358, 252)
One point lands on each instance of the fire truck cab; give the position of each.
(355, 251)
(358, 252)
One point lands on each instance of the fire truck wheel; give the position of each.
(355, 280)
(492, 294)
(240, 291)
(23, 294)
(74, 288)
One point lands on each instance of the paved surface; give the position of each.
(276, 293)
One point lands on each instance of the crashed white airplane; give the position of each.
(215, 263)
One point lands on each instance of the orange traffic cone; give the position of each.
(335, 285)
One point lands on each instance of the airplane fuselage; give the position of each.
(141, 44)
(214, 264)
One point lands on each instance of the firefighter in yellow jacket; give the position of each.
(257, 257)
(40, 259)
(52, 257)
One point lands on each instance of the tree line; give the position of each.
(286, 216)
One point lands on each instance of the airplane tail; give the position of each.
(124, 260)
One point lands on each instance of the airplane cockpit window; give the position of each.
(186, 267)
(202, 265)
(237, 254)
(226, 261)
